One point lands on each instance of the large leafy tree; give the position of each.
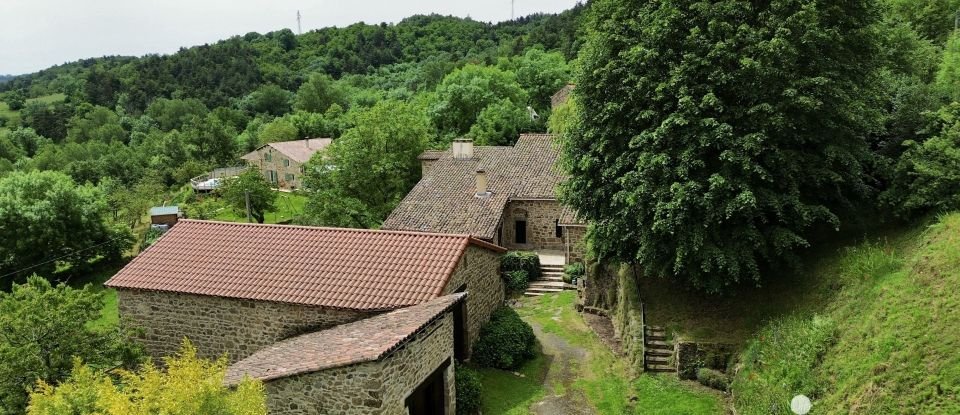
(46, 220)
(465, 92)
(43, 328)
(712, 136)
(360, 178)
(187, 385)
(318, 94)
(250, 186)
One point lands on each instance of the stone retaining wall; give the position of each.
(691, 356)
(218, 325)
(379, 387)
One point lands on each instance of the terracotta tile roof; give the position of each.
(329, 267)
(361, 341)
(561, 96)
(444, 200)
(297, 150)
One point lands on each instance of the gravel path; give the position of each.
(562, 373)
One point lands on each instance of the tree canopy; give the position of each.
(713, 136)
(250, 186)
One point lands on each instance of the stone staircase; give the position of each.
(551, 281)
(658, 354)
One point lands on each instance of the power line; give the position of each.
(59, 257)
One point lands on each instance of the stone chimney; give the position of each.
(482, 190)
(462, 149)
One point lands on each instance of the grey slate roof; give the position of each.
(444, 200)
(164, 210)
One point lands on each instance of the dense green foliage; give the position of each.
(713, 379)
(516, 281)
(469, 390)
(505, 342)
(573, 272)
(46, 221)
(363, 175)
(42, 329)
(737, 127)
(186, 385)
(883, 343)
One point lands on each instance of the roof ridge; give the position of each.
(469, 237)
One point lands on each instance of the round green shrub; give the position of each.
(505, 342)
(572, 272)
(516, 281)
(469, 390)
(713, 379)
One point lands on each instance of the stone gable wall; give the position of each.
(371, 388)
(276, 164)
(217, 325)
(541, 217)
(479, 270)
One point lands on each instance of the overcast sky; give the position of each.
(35, 34)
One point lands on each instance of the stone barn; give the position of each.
(235, 288)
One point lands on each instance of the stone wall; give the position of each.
(379, 387)
(627, 315)
(541, 217)
(276, 164)
(217, 325)
(479, 271)
(691, 356)
(573, 237)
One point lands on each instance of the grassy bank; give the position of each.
(885, 343)
(13, 117)
(289, 205)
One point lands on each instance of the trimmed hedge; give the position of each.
(469, 390)
(505, 342)
(713, 379)
(525, 261)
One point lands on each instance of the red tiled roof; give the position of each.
(361, 341)
(329, 267)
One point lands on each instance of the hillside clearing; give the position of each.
(13, 117)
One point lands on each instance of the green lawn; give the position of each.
(109, 316)
(13, 117)
(603, 378)
(289, 205)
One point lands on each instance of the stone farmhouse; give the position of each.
(332, 320)
(505, 195)
(281, 163)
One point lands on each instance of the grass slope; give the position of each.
(289, 205)
(888, 341)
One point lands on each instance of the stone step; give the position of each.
(551, 268)
(654, 328)
(658, 344)
(550, 284)
(659, 352)
(551, 273)
(652, 336)
(660, 368)
(543, 290)
(550, 278)
(657, 360)
(532, 294)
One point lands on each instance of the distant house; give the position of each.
(164, 215)
(505, 195)
(282, 162)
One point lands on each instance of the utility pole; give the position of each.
(246, 197)
(299, 30)
(511, 8)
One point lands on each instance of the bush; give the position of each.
(517, 281)
(521, 261)
(572, 272)
(713, 379)
(505, 342)
(469, 390)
